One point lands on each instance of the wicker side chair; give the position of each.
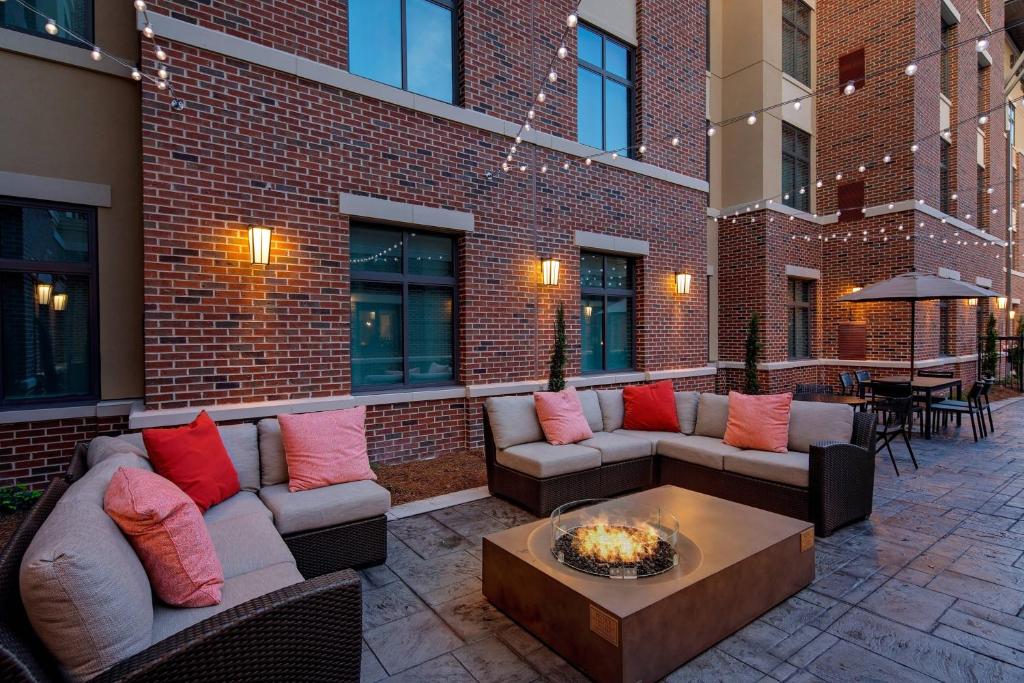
(842, 478)
(813, 389)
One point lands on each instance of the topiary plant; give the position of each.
(17, 497)
(990, 356)
(751, 384)
(556, 373)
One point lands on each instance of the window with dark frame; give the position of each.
(408, 44)
(604, 91)
(944, 149)
(799, 306)
(606, 312)
(946, 65)
(48, 303)
(796, 40)
(796, 167)
(75, 16)
(404, 308)
(945, 328)
(982, 199)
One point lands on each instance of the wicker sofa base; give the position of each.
(358, 544)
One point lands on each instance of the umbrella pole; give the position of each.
(913, 324)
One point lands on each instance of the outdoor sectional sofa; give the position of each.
(291, 606)
(827, 477)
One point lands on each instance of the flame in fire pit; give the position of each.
(615, 543)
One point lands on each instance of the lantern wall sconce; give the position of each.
(1002, 302)
(60, 301)
(549, 271)
(972, 302)
(259, 244)
(683, 282)
(855, 290)
(1013, 314)
(44, 292)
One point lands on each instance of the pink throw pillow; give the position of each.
(561, 416)
(759, 422)
(325, 448)
(168, 533)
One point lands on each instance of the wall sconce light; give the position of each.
(1013, 314)
(259, 244)
(60, 301)
(549, 271)
(588, 311)
(683, 281)
(44, 292)
(1002, 302)
(855, 290)
(972, 302)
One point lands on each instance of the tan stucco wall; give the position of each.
(82, 125)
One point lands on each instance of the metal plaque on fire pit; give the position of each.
(619, 545)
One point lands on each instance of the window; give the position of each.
(982, 198)
(409, 44)
(799, 304)
(74, 15)
(403, 308)
(1011, 122)
(604, 107)
(796, 40)
(47, 303)
(945, 325)
(944, 149)
(606, 312)
(948, 54)
(796, 167)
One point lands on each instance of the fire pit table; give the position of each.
(630, 589)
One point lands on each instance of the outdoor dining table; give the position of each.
(857, 402)
(926, 386)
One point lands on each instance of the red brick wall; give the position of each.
(32, 453)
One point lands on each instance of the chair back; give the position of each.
(863, 380)
(892, 389)
(846, 383)
(898, 410)
(813, 389)
(982, 389)
(945, 374)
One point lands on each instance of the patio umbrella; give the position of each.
(914, 287)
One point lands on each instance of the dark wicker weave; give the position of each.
(357, 544)
(791, 501)
(311, 631)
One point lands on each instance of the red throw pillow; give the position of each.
(759, 422)
(325, 448)
(194, 458)
(168, 534)
(650, 407)
(561, 416)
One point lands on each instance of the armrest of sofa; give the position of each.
(309, 631)
(842, 484)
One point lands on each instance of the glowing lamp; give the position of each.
(549, 271)
(1013, 314)
(44, 292)
(683, 281)
(855, 290)
(1002, 302)
(972, 302)
(259, 244)
(60, 301)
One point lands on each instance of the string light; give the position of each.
(96, 55)
(51, 27)
(849, 88)
(541, 97)
(161, 55)
(982, 120)
(571, 20)
(552, 76)
(752, 119)
(911, 69)
(981, 45)
(140, 5)
(147, 31)
(563, 52)
(797, 105)
(711, 132)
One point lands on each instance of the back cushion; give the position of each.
(84, 589)
(103, 447)
(686, 408)
(591, 409)
(712, 415)
(812, 422)
(612, 408)
(513, 420)
(273, 466)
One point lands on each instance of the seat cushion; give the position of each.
(618, 447)
(248, 542)
(706, 451)
(686, 408)
(612, 408)
(242, 503)
(513, 421)
(591, 409)
(540, 459)
(169, 620)
(812, 422)
(273, 466)
(326, 506)
(712, 415)
(783, 468)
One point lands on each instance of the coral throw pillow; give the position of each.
(194, 458)
(650, 407)
(561, 416)
(759, 422)
(168, 534)
(325, 448)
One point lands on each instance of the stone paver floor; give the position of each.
(930, 588)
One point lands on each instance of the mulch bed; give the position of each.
(419, 479)
(999, 392)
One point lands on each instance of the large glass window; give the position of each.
(47, 303)
(796, 40)
(948, 54)
(403, 307)
(944, 194)
(409, 44)
(604, 107)
(796, 167)
(606, 312)
(72, 15)
(799, 304)
(946, 347)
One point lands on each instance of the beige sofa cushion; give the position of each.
(712, 415)
(618, 447)
(273, 466)
(592, 410)
(650, 437)
(612, 409)
(85, 591)
(783, 468)
(245, 543)
(242, 503)
(706, 451)
(513, 420)
(103, 447)
(540, 459)
(812, 422)
(325, 506)
(686, 408)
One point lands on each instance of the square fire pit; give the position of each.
(630, 589)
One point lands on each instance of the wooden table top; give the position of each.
(921, 382)
(831, 398)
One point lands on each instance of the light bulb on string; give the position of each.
(526, 127)
(818, 184)
(982, 120)
(914, 147)
(161, 84)
(990, 190)
(911, 69)
(675, 141)
(861, 168)
(162, 73)
(752, 119)
(147, 31)
(565, 166)
(839, 176)
(849, 88)
(981, 45)
(51, 27)
(563, 52)
(803, 190)
(571, 20)
(552, 76)
(886, 159)
(544, 168)
(711, 131)
(954, 196)
(588, 161)
(797, 105)
(160, 54)
(96, 54)
(643, 149)
(541, 97)
(136, 75)
(140, 5)
(530, 114)
(615, 155)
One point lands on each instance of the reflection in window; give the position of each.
(606, 312)
(72, 15)
(47, 319)
(604, 107)
(409, 44)
(403, 307)
(799, 305)
(796, 167)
